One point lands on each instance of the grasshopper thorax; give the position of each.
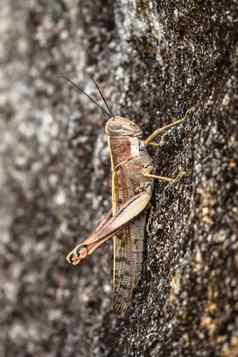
(119, 126)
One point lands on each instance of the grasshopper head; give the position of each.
(119, 126)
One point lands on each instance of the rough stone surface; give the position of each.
(153, 60)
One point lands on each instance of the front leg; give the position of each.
(164, 178)
(152, 137)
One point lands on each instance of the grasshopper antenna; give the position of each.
(102, 96)
(92, 100)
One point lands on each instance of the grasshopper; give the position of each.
(133, 176)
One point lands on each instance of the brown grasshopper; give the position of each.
(133, 176)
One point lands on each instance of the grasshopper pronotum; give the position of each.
(132, 187)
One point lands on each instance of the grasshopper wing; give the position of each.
(128, 257)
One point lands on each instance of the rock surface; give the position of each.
(153, 60)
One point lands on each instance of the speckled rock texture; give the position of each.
(153, 61)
